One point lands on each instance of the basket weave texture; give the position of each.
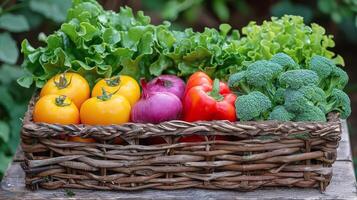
(258, 154)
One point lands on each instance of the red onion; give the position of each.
(167, 83)
(156, 107)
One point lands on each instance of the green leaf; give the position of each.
(221, 9)
(190, 15)
(146, 43)
(157, 67)
(34, 19)
(198, 54)
(186, 69)
(111, 36)
(326, 6)
(4, 131)
(9, 73)
(52, 9)
(14, 140)
(25, 81)
(165, 38)
(174, 7)
(131, 67)
(6, 99)
(8, 49)
(84, 11)
(336, 17)
(13, 23)
(225, 28)
(26, 48)
(286, 7)
(4, 162)
(155, 5)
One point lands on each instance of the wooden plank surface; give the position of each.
(342, 186)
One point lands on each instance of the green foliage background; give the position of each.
(21, 19)
(17, 20)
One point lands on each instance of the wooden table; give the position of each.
(342, 186)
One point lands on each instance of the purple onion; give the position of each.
(167, 83)
(156, 107)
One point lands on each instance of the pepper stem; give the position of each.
(62, 82)
(113, 82)
(106, 95)
(60, 101)
(215, 91)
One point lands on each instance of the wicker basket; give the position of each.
(259, 154)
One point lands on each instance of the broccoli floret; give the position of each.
(281, 114)
(261, 73)
(313, 93)
(285, 61)
(340, 102)
(259, 76)
(279, 96)
(330, 75)
(298, 78)
(309, 95)
(338, 79)
(322, 66)
(295, 101)
(254, 105)
(237, 81)
(311, 113)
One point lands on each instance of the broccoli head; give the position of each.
(295, 79)
(340, 102)
(311, 113)
(285, 61)
(254, 105)
(322, 66)
(330, 75)
(312, 99)
(281, 114)
(259, 76)
(261, 73)
(308, 95)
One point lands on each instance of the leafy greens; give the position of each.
(98, 43)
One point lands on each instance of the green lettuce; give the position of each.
(97, 43)
(289, 35)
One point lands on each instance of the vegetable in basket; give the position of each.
(120, 85)
(107, 109)
(167, 83)
(156, 106)
(207, 100)
(56, 109)
(253, 106)
(72, 85)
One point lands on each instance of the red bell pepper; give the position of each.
(202, 79)
(207, 100)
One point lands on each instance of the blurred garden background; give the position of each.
(33, 19)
